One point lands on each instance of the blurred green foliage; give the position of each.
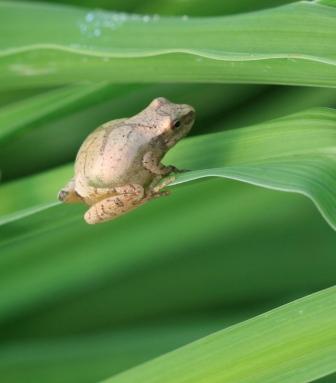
(79, 303)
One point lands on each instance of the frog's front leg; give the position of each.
(128, 198)
(152, 163)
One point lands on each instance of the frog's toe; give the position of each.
(62, 195)
(162, 193)
(69, 196)
(91, 218)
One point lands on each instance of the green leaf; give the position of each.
(65, 123)
(291, 153)
(203, 8)
(65, 116)
(177, 7)
(91, 358)
(10, 96)
(295, 343)
(53, 266)
(294, 153)
(270, 46)
(80, 302)
(25, 114)
(332, 3)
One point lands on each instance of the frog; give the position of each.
(118, 166)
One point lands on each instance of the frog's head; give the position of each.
(173, 121)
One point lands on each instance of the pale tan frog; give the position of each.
(118, 167)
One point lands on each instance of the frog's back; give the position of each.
(109, 155)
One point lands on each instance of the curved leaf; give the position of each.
(270, 46)
(293, 153)
(296, 153)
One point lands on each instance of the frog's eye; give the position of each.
(176, 124)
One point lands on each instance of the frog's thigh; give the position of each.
(131, 189)
(111, 207)
(97, 192)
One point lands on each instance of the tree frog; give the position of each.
(118, 167)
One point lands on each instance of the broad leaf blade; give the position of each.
(314, 177)
(295, 153)
(295, 343)
(43, 269)
(270, 46)
(88, 358)
(292, 153)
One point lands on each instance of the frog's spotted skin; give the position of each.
(118, 167)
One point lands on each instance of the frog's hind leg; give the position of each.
(92, 193)
(68, 194)
(128, 198)
(110, 208)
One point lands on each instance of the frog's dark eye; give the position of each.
(177, 124)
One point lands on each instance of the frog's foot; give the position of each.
(158, 184)
(112, 207)
(180, 170)
(68, 193)
(158, 194)
(173, 169)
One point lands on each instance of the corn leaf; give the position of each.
(291, 44)
(79, 303)
(295, 343)
(293, 153)
(88, 358)
(22, 115)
